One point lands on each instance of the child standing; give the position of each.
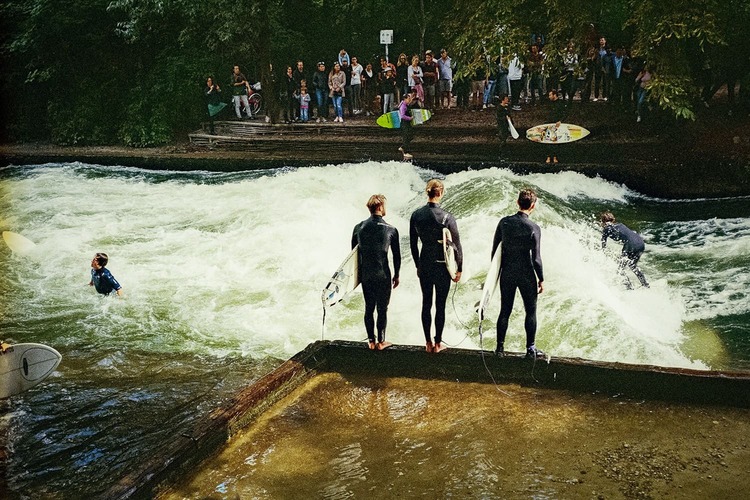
(304, 104)
(389, 88)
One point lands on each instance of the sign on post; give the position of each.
(386, 38)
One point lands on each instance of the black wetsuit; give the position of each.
(427, 225)
(374, 237)
(520, 241)
(632, 249)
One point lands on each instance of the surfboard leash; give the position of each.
(455, 312)
(484, 361)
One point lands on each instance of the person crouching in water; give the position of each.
(632, 248)
(374, 237)
(101, 278)
(406, 130)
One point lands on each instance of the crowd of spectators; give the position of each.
(593, 72)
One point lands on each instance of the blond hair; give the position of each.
(435, 188)
(376, 201)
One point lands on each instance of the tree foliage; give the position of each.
(132, 71)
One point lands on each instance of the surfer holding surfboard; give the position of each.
(375, 237)
(519, 240)
(426, 226)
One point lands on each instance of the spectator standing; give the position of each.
(602, 70)
(304, 105)
(515, 76)
(337, 91)
(320, 86)
(369, 89)
(430, 72)
(300, 78)
(589, 68)
(570, 68)
(402, 76)
(347, 70)
(240, 87)
(534, 67)
(356, 86)
(289, 92)
(416, 77)
(388, 85)
(212, 92)
(642, 81)
(621, 77)
(445, 79)
(344, 56)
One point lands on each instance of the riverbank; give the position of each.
(706, 158)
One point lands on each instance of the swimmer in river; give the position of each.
(519, 240)
(101, 278)
(426, 225)
(374, 237)
(632, 248)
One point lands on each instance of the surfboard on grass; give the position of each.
(18, 244)
(344, 281)
(549, 133)
(490, 284)
(22, 366)
(393, 120)
(449, 253)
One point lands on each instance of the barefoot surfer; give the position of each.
(374, 237)
(426, 226)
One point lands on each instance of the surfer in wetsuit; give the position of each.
(519, 240)
(374, 237)
(101, 278)
(632, 248)
(426, 225)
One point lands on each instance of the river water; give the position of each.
(222, 274)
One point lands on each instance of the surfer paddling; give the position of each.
(374, 237)
(519, 240)
(632, 247)
(101, 278)
(426, 226)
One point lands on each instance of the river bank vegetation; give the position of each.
(131, 72)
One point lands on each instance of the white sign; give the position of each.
(386, 37)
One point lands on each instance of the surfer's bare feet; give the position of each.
(439, 347)
(430, 347)
(371, 345)
(548, 160)
(384, 345)
(4, 347)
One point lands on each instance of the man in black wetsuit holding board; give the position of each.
(519, 240)
(426, 226)
(632, 247)
(374, 237)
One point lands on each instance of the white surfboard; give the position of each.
(490, 283)
(18, 244)
(512, 129)
(343, 281)
(449, 253)
(22, 366)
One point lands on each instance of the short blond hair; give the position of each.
(435, 188)
(376, 201)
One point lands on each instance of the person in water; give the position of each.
(519, 240)
(374, 237)
(632, 247)
(101, 278)
(426, 226)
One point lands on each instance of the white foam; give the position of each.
(236, 262)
